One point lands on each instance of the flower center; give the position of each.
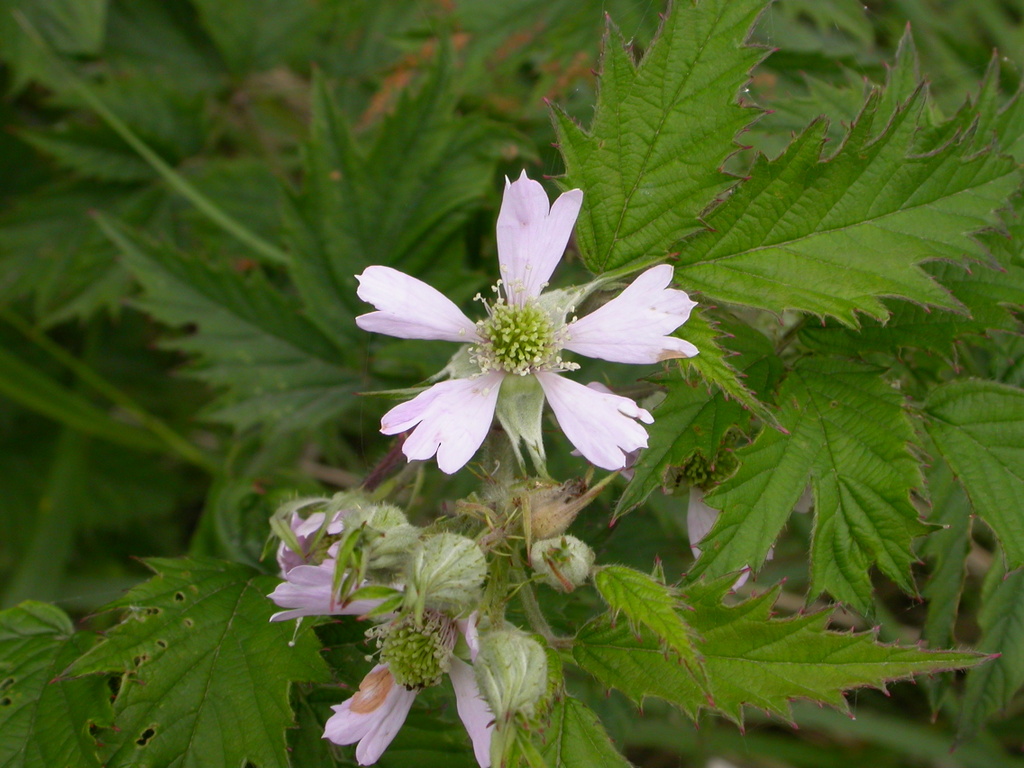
(417, 655)
(517, 340)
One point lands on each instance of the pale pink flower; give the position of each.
(524, 335)
(307, 532)
(374, 715)
(309, 590)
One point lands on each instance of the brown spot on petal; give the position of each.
(669, 354)
(372, 691)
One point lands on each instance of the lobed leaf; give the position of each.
(978, 427)
(647, 602)
(846, 435)
(751, 658)
(832, 235)
(649, 163)
(205, 673)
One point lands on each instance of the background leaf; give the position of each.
(206, 674)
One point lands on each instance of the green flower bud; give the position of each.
(564, 562)
(512, 672)
(445, 572)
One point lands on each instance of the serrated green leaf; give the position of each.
(649, 163)
(751, 659)
(691, 419)
(649, 603)
(848, 436)
(278, 368)
(92, 154)
(716, 344)
(978, 427)
(832, 236)
(575, 738)
(206, 674)
(45, 719)
(990, 688)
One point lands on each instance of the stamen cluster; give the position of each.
(417, 654)
(517, 339)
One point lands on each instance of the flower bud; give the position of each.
(512, 673)
(389, 549)
(445, 572)
(551, 508)
(564, 562)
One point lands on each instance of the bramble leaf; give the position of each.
(833, 235)
(45, 719)
(750, 658)
(693, 420)
(648, 603)
(205, 673)
(978, 427)
(848, 437)
(649, 163)
(575, 738)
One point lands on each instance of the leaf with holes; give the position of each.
(751, 658)
(848, 436)
(649, 163)
(46, 720)
(205, 674)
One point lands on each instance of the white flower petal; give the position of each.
(451, 419)
(474, 712)
(410, 309)
(601, 425)
(634, 326)
(308, 590)
(372, 716)
(532, 237)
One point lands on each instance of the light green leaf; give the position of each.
(649, 163)
(205, 673)
(648, 603)
(991, 687)
(978, 427)
(869, 213)
(45, 719)
(575, 738)
(278, 368)
(848, 436)
(693, 420)
(751, 658)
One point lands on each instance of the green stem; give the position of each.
(531, 608)
(175, 442)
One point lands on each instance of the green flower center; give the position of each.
(417, 655)
(517, 339)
